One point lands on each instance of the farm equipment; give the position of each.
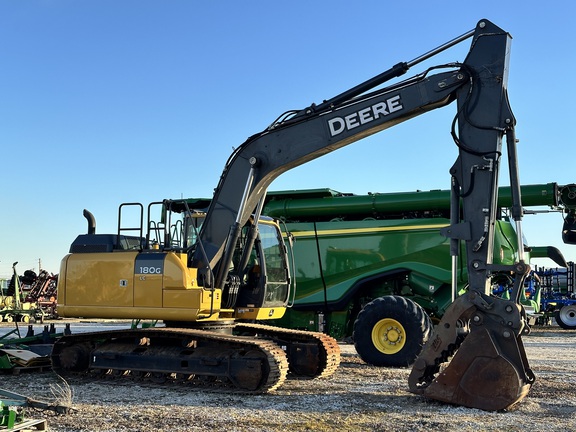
(558, 294)
(14, 306)
(41, 289)
(366, 265)
(554, 290)
(209, 284)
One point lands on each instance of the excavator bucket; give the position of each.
(488, 369)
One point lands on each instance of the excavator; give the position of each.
(210, 278)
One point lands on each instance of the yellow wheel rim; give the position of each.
(388, 336)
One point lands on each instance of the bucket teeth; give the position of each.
(479, 337)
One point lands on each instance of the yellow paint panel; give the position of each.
(189, 299)
(148, 290)
(197, 298)
(177, 275)
(99, 279)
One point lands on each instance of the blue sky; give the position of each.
(104, 102)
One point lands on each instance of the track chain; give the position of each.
(277, 362)
(329, 349)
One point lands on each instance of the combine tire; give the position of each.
(566, 317)
(391, 331)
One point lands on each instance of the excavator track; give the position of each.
(246, 358)
(199, 359)
(310, 354)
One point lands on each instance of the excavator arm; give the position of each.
(490, 371)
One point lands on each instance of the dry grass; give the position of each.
(62, 394)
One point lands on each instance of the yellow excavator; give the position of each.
(209, 277)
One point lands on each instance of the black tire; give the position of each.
(566, 317)
(391, 331)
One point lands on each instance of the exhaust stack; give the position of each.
(91, 221)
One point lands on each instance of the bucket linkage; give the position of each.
(480, 337)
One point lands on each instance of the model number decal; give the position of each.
(150, 270)
(149, 264)
(338, 125)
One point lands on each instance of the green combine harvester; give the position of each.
(374, 268)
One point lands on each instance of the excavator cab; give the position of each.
(258, 276)
(265, 279)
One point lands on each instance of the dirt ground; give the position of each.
(357, 397)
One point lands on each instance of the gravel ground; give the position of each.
(357, 397)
